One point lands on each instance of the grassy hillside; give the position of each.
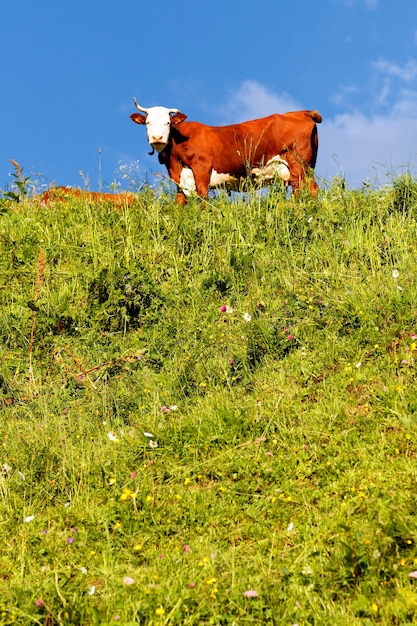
(208, 412)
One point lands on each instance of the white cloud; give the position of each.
(252, 100)
(361, 147)
(406, 73)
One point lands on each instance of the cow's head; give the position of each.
(158, 122)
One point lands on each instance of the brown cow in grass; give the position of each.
(63, 194)
(199, 157)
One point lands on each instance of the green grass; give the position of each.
(202, 401)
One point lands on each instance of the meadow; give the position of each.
(208, 412)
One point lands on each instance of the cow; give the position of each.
(64, 194)
(199, 157)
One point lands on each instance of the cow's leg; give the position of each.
(202, 180)
(180, 198)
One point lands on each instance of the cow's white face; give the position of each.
(158, 122)
(158, 127)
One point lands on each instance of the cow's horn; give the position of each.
(139, 108)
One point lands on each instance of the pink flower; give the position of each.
(191, 585)
(165, 409)
(39, 602)
(251, 593)
(128, 580)
(290, 337)
(186, 548)
(70, 540)
(413, 574)
(133, 475)
(223, 308)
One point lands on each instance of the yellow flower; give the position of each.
(137, 547)
(211, 581)
(374, 607)
(159, 611)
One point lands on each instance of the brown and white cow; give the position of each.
(199, 157)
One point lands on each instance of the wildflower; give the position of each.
(251, 593)
(150, 435)
(92, 590)
(70, 540)
(116, 618)
(211, 581)
(290, 337)
(29, 518)
(153, 444)
(133, 475)
(126, 494)
(165, 409)
(226, 309)
(290, 527)
(186, 548)
(159, 611)
(192, 585)
(21, 475)
(395, 274)
(112, 436)
(128, 580)
(7, 468)
(83, 570)
(137, 547)
(413, 574)
(39, 602)
(247, 317)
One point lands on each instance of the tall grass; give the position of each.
(208, 412)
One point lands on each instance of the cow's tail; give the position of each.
(315, 116)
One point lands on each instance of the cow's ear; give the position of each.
(138, 118)
(178, 118)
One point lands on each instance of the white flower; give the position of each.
(229, 309)
(29, 518)
(7, 468)
(149, 435)
(153, 444)
(290, 527)
(22, 476)
(358, 365)
(112, 436)
(247, 317)
(395, 273)
(173, 407)
(92, 590)
(83, 570)
(67, 504)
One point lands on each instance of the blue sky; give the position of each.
(70, 70)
